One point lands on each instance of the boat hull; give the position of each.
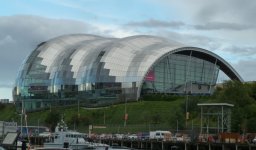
(72, 146)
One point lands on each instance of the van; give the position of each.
(158, 134)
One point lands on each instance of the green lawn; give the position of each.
(113, 114)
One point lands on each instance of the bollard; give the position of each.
(65, 145)
(23, 146)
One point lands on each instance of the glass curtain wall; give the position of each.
(170, 74)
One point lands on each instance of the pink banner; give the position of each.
(38, 89)
(151, 76)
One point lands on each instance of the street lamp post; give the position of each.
(125, 112)
(78, 108)
(186, 109)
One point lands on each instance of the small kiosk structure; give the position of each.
(220, 113)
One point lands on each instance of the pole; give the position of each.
(201, 119)
(222, 120)
(125, 113)
(218, 120)
(104, 116)
(192, 124)
(177, 126)
(21, 118)
(78, 109)
(186, 110)
(207, 132)
(38, 126)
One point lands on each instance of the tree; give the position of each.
(73, 120)
(145, 117)
(244, 127)
(251, 125)
(53, 117)
(177, 114)
(156, 118)
(2, 106)
(84, 120)
(253, 90)
(236, 93)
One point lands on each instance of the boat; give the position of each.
(72, 139)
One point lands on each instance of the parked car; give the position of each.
(158, 134)
(45, 134)
(103, 136)
(1, 148)
(146, 138)
(141, 136)
(125, 136)
(119, 136)
(133, 137)
(109, 136)
(92, 135)
(254, 140)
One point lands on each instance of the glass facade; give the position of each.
(170, 74)
(97, 70)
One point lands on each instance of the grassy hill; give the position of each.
(113, 114)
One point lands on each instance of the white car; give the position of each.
(103, 136)
(45, 134)
(133, 136)
(254, 140)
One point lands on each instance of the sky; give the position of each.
(226, 28)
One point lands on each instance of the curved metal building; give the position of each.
(98, 70)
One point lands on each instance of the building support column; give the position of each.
(212, 76)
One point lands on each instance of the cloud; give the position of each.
(20, 34)
(223, 25)
(246, 69)
(152, 23)
(6, 40)
(5, 86)
(190, 39)
(240, 50)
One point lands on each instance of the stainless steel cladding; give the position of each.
(100, 70)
